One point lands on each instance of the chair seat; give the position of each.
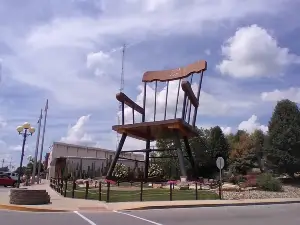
(157, 129)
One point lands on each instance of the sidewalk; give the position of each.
(59, 203)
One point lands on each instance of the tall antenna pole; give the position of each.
(43, 137)
(121, 89)
(37, 147)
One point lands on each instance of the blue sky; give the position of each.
(69, 52)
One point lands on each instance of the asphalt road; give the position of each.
(246, 215)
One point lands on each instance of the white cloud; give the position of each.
(251, 125)
(50, 54)
(207, 52)
(210, 105)
(77, 133)
(3, 123)
(18, 148)
(226, 130)
(57, 56)
(253, 52)
(292, 94)
(97, 58)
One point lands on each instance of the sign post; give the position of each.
(220, 164)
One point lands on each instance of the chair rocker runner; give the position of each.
(177, 128)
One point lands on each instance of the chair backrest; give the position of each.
(181, 74)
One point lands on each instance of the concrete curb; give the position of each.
(29, 209)
(209, 205)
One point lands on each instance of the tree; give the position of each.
(242, 155)
(201, 153)
(168, 159)
(258, 139)
(284, 137)
(218, 145)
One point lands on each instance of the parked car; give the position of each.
(7, 181)
(13, 175)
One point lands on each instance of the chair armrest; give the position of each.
(186, 87)
(121, 97)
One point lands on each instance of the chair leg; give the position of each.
(180, 154)
(146, 169)
(190, 155)
(118, 151)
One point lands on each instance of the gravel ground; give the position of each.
(289, 192)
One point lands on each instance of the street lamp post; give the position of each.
(25, 130)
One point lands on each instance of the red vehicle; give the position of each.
(7, 181)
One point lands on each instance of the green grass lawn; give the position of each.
(148, 195)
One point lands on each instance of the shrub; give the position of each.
(251, 180)
(267, 182)
(120, 171)
(236, 179)
(155, 171)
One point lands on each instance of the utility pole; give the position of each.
(10, 163)
(121, 89)
(3, 160)
(37, 147)
(43, 138)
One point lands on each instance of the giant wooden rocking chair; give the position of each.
(182, 127)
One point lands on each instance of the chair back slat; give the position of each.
(144, 102)
(198, 96)
(182, 100)
(166, 100)
(155, 93)
(177, 97)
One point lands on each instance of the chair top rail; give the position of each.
(175, 74)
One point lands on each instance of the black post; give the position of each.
(196, 185)
(141, 193)
(220, 190)
(73, 189)
(146, 169)
(66, 186)
(100, 189)
(86, 189)
(171, 190)
(56, 185)
(61, 186)
(107, 193)
(22, 155)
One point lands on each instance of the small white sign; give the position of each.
(220, 163)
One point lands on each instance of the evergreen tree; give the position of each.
(284, 137)
(218, 145)
(258, 139)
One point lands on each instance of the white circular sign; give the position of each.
(220, 162)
